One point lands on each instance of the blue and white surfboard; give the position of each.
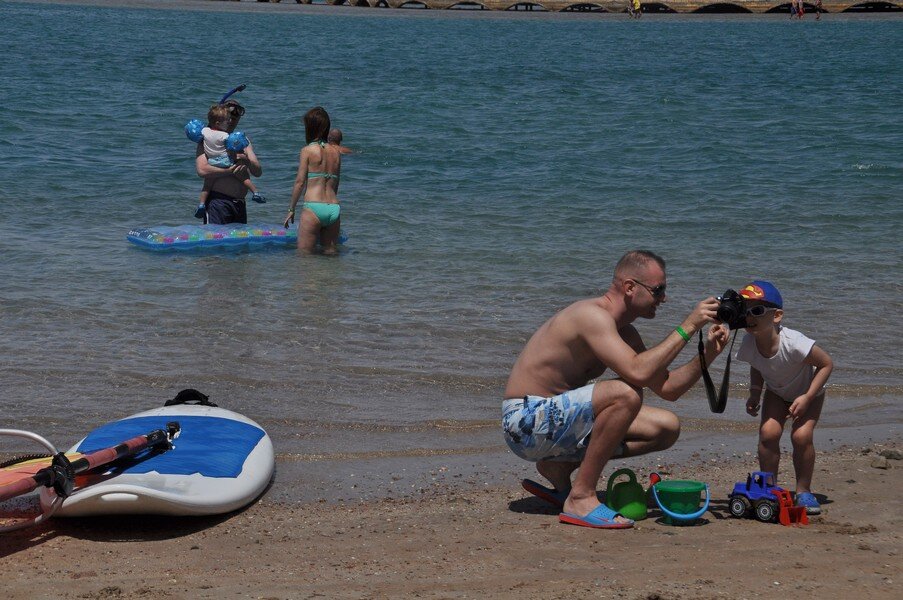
(219, 462)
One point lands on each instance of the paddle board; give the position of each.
(219, 462)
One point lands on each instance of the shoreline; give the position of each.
(491, 541)
(360, 479)
(330, 462)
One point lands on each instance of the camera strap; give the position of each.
(719, 402)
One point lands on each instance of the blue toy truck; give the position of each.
(758, 493)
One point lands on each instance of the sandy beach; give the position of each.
(494, 542)
(736, 146)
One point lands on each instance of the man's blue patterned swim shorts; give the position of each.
(555, 428)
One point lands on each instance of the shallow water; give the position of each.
(504, 165)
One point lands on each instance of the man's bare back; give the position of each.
(557, 358)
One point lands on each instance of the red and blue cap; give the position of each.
(763, 291)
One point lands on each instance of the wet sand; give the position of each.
(484, 538)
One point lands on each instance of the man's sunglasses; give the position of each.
(657, 291)
(757, 310)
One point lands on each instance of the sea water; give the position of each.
(502, 165)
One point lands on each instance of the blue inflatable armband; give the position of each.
(193, 130)
(237, 141)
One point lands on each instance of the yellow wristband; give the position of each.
(680, 331)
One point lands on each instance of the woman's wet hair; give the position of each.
(316, 124)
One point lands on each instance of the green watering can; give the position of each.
(628, 497)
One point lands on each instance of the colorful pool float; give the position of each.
(186, 237)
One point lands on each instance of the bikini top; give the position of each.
(323, 174)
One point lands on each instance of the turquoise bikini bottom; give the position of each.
(326, 213)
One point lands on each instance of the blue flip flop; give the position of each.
(550, 495)
(602, 517)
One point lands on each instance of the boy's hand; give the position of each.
(799, 407)
(752, 407)
(718, 337)
(240, 171)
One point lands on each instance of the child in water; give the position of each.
(335, 139)
(215, 136)
(794, 372)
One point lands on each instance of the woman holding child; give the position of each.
(318, 182)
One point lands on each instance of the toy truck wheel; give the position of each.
(766, 510)
(739, 506)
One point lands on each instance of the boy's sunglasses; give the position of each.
(757, 311)
(657, 291)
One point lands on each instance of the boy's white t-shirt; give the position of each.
(214, 142)
(785, 373)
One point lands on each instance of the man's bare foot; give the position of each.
(585, 505)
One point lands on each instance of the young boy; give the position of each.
(214, 141)
(794, 371)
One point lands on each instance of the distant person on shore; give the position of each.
(335, 139)
(818, 10)
(217, 143)
(318, 183)
(634, 9)
(226, 198)
(794, 371)
(553, 417)
(797, 9)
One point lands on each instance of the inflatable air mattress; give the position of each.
(186, 237)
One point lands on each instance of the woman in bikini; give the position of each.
(318, 181)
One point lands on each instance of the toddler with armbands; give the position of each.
(217, 144)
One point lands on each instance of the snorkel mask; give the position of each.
(234, 107)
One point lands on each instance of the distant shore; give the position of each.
(291, 7)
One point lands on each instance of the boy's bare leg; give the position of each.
(803, 440)
(774, 414)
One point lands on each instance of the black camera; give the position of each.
(732, 310)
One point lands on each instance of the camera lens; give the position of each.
(727, 311)
(732, 310)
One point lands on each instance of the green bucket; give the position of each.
(679, 500)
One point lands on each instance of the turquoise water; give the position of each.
(504, 165)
